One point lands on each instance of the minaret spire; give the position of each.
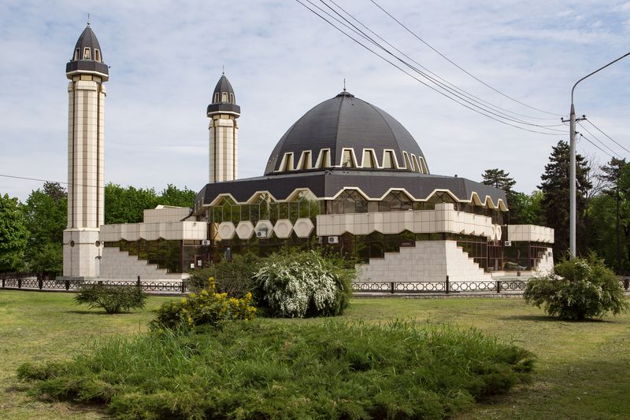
(86, 96)
(223, 127)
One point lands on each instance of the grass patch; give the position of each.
(582, 369)
(262, 370)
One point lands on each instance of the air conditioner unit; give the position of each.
(333, 239)
(205, 242)
(507, 243)
(261, 234)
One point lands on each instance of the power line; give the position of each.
(613, 140)
(46, 180)
(472, 108)
(457, 65)
(596, 138)
(588, 140)
(441, 79)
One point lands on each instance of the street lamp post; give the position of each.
(572, 168)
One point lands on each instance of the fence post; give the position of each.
(19, 282)
(3, 282)
(498, 286)
(40, 283)
(626, 283)
(67, 282)
(138, 283)
(392, 287)
(448, 287)
(183, 286)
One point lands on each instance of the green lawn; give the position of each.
(583, 369)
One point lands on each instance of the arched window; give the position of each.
(395, 201)
(415, 165)
(216, 97)
(407, 161)
(368, 159)
(97, 55)
(323, 160)
(87, 54)
(423, 163)
(305, 160)
(232, 98)
(287, 163)
(77, 54)
(388, 159)
(224, 97)
(347, 159)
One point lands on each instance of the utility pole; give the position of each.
(572, 169)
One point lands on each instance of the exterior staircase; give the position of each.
(117, 264)
(428, 261)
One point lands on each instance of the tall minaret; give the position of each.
(86, 93)
(223, 113)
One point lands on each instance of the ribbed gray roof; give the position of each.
(79, 64)
(87, 39)
(223, 85)
(344, 122)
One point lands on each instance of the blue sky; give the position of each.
(166, 57)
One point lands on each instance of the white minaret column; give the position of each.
(223, 128)
(86, 102)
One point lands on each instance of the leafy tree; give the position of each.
(46, 216)
(525, 209)
(555, 202)
(173, 196)
(13, 234)
(126, 205)
(616, 178)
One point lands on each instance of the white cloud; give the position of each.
(166, 56)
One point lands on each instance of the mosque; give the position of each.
(346, 175)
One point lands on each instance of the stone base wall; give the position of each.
(427, 261)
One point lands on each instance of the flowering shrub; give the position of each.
(302, 284)
(581, 289)
(205, 307)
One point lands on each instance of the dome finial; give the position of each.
(223, 70)
(344, 84)
(88, 20)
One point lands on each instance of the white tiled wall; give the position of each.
(165, 214)
(443, 219)
(154, 231)
(427, 261)
(530, 233)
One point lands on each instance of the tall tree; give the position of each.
(498, 178)
(46, 215)
(555, 202)
(13, 234)
(616, 178)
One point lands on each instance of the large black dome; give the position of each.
(357, 135)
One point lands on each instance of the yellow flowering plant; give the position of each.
(205, 307)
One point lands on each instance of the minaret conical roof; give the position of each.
(87, 56)
(223, 99)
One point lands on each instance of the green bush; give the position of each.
(260, 370)
(580, 289)
(113, 299)
(304, 284)
(233, 278)
(205, 307)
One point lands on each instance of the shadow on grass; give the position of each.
(547, 318)
(95, 312)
